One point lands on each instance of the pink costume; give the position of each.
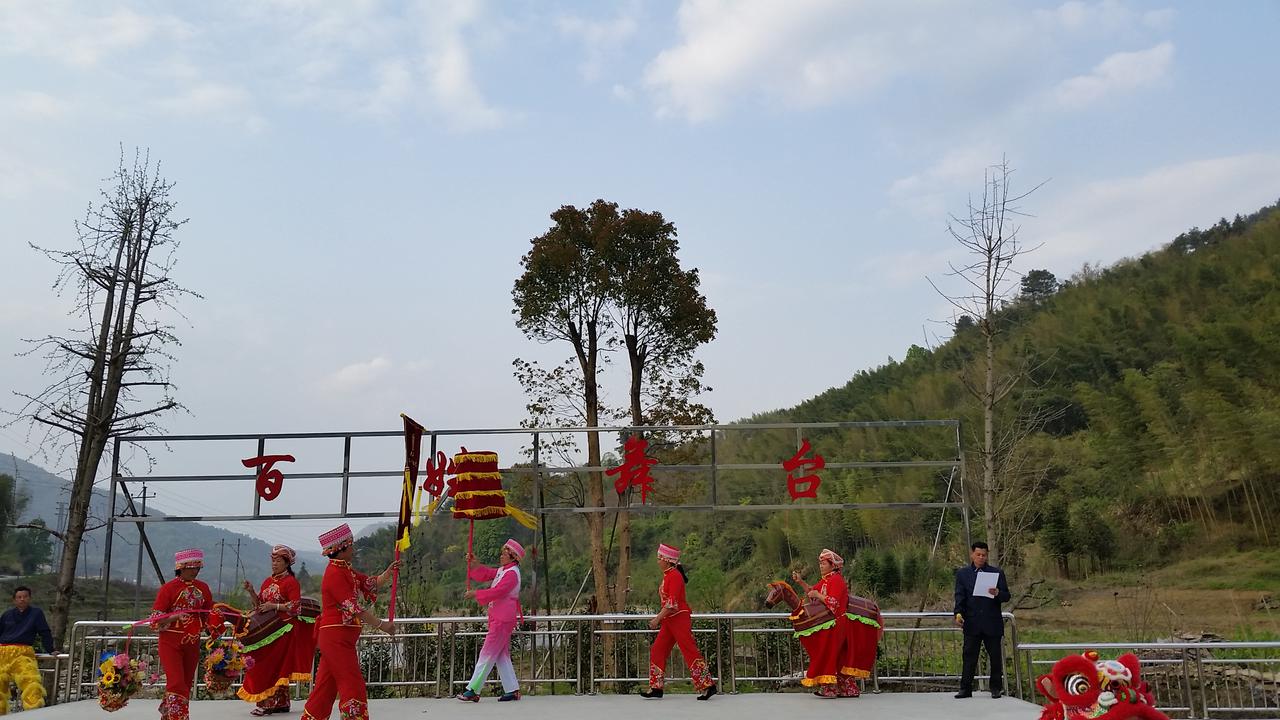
(503, 600)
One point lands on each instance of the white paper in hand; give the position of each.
(986, 580)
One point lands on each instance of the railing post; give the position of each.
(1013, 654)
(591, 648)
(1186, 682)
(1204, 697)
(577, 635)
(733, 657)
(453, 647)
(1031, 676)
(439, 656)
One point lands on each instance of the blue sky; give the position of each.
(363, 177)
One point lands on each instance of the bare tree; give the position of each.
(988, 233)
(110, 375)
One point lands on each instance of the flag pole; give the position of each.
(395, 581)
(471, 533)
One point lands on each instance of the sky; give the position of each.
(362, 178)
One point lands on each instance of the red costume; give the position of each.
(286, 654)
(180, 640)
(676, 629)
(343, 595)
(832, 649)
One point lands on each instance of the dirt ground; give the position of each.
(1147, 613)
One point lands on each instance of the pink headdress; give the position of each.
(668, 553)
(285, 552)
(830, 556)
(336, 540)
(515, 548)
(188, 559)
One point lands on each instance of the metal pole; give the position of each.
(137, 579)
(964, 496)
(222, 549)
(111, 523)
(257, 499)
(714, 474)
(346, 470)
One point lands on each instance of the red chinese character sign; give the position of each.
(634, 470)
(804, 486)
(270, 480)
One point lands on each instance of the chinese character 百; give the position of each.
(270, 480)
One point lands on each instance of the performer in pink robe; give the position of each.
(502, 598)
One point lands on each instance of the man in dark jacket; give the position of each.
(980, 619)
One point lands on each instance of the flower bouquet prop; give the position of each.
(122, 678)
(225, 663)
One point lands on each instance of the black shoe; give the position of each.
(651, 694)
(509, 697)
(963, 694)
(706, 694)
(997, 694)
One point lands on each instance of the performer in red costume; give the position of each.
(827, 658)
(285, 655)
(180, 634)
(675, 627)
(343, 595)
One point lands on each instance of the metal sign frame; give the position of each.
(955, 493)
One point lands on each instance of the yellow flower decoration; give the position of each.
(109, 677)
(106, 665)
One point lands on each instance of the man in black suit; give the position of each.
(980, 619)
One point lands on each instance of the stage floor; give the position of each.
(753, 706)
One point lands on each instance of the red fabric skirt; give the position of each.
(826, 650)
(861, 640)
(286, 659)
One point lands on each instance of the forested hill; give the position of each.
(1153, 407)
(1160, 381)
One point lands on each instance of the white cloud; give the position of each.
(1120, 217)
(76, 35)
(622, 92)
(394, 87)
(447, 64)
(222, 101)
(601, 39)
(1105, 16)
(23, 176)
(808, 53)
(930, 191)
(34, 106)
(1121, 72)
(356, 375)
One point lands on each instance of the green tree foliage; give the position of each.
(1038, 286)
(10, 504)
(890, 575)
(33, 547)
(1167, 367)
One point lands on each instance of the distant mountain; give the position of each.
(45, 491)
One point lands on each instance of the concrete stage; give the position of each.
(752, 706)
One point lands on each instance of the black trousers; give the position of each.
(969, 654)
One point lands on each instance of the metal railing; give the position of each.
(748, 652)
(579, 654)
(1201, 680)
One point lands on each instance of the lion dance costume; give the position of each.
(18, 629)
(1085, 687)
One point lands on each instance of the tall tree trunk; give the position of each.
(988, 449)
(623, 582)
(77, 515)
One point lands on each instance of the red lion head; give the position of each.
(1079, 686)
